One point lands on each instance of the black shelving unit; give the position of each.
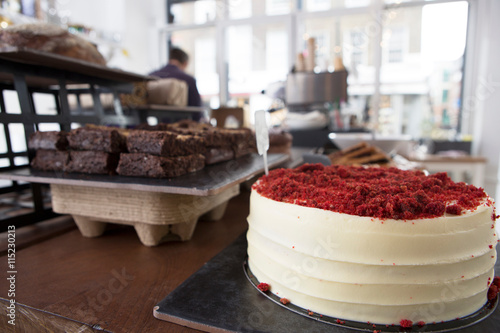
(27, 72)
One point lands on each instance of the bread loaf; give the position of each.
(52, 39)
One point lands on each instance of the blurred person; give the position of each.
(175, 68)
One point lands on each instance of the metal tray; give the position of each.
(220, 298)
(211, 180)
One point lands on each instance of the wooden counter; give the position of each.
(69, 283)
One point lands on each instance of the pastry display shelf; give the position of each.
(159, 209)
(30, 72)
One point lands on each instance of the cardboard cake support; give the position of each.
(156, 216)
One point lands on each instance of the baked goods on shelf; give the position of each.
(221, 144)
(165, 150)
(95, 149)
(50, 150)
(361, 154)
(51, 39)
(378, 245)
(148, 165)
(164, 143)
(50, 160)
(98, 138)
(52, 140)
(92, 162)
(161, 154)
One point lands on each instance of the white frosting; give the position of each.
(367, 269)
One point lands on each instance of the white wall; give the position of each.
(136, 22)
(143, 19)
(483, 99)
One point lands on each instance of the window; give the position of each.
(423, 58)
(322, 5)
(405, 66)
(196, 12)
(257, 56)
(359, 52)
(396, 44)
(278, 7)
(200, 44)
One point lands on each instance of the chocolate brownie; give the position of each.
(219, 142)
(50, 160)
(55, 140)
(94, 162)
(242, 141)
(164, 143)
(212, 136)
(146, 165)
(97, 138)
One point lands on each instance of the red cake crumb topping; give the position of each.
(340, 322)
(492, 292)
(421, 323)
(284, 300)
(310, 313)
(385, 193)
(454, 210)
(263, 287)
(406, 323)
(496, 281)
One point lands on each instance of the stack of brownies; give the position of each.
(161, 151)
(221, 144)
(90, 149)
(51, 150)
(161, 154)
(95, 149)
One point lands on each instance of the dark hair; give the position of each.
(179, 55)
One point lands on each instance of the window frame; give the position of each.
(377, 9)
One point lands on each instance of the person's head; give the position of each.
(178, 57)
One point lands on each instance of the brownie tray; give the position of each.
(211, 180)
(158, 209)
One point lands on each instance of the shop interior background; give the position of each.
(426, 69)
